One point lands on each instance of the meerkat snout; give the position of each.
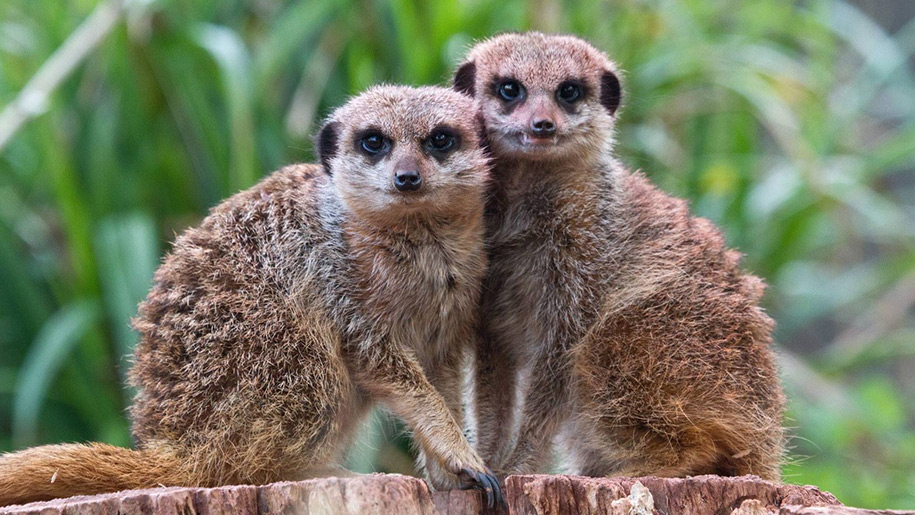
(408, 180)
(533, 116)
(543, 116)
(407, 175)
(543, 127)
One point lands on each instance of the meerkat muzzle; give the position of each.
(407, 180)
(543, 127)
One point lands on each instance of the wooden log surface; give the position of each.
(700, 494)
(536, 494)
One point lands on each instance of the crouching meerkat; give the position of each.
(625, 322)
(273, 326)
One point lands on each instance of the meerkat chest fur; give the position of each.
(422, 280)
(550, 246)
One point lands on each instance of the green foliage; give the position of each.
(790, 124)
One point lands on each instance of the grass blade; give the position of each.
(54, 343)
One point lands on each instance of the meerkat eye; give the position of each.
(441, 140)
(374, 143)
(510, 90)
(569, 92)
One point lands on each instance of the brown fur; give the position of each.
(625, 322)
(274, 326)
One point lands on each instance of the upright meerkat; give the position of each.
(626, 322)
(274, 326)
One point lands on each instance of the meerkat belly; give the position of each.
(517, 296)
(546, 280)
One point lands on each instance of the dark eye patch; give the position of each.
(509, 90)
(372, 143)
(570, 92)
(441, 141)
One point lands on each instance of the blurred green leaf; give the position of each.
(128, 252)
(53, 345)
(229, 52)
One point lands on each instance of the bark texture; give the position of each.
(536, 494)
(700, 494)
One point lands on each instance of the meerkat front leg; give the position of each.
(495, 384)
(545, 405)
(393, 375)
(447, 378)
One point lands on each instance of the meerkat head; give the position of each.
(397, 150)
(542, 96)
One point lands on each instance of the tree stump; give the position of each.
(403, 495)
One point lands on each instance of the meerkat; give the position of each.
(635, 339)
(273, 326)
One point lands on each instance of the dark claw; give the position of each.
(485, 482)
(497, 490)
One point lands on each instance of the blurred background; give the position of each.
(789, 124)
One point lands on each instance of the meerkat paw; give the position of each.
(439, 478)
(485, 481)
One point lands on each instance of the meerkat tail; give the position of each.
(55, 471)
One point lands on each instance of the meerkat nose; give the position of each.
(407, 180)
(543, 127)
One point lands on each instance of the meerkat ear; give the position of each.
(465, 78)
(326, 144)
(611, 93)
